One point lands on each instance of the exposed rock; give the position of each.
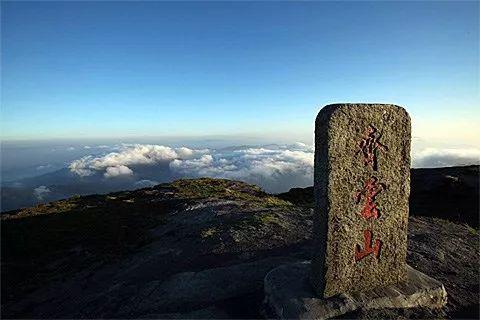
(207, 313)
(447, 193)
(290, 295)
(299, 196)
(450, 253)
(192, 290)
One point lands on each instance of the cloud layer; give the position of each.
(275, 168)
(117, 163)
(40, 192)
(116, 171)
(434, 157)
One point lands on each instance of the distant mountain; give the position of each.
(63, 184)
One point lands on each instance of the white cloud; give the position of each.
(116, 171)
(435, 157)
(276, 168)
(137, 154)
(145, 183)
(40, 192)
(82, 167)
(43, 167)
(184, 152)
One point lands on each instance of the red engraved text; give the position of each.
(370, 190)
(369, 145)
(368, 249)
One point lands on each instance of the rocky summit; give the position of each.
(197, 248)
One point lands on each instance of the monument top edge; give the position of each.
(330, 109)
(360, 104)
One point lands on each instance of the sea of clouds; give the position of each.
(445, 157)
(276, 168)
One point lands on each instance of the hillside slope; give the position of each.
(189, 249)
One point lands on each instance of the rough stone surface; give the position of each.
(362, 185)
(207, 313)
(245, 232)
(190, 290)
(289, 294)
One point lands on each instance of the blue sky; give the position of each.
(115, 69)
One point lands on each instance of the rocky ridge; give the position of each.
(191, 249)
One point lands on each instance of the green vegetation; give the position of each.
(210, 232)
(266, 219)
(225, 189)
(471, 230)
(61, 206)
(258, 220)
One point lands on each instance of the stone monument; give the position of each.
(362, 187)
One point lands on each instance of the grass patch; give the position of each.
(207, 233)
(225, 189)
(60, 206)
(266, 219)
(471, 230)
(259, 219)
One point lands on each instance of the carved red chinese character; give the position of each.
(360, 254)
(369, 145)
(369, 192)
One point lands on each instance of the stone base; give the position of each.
(290, 295)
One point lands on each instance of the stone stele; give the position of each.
(362, 186)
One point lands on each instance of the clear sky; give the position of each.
(113, 69)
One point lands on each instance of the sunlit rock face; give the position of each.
(362, 185)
